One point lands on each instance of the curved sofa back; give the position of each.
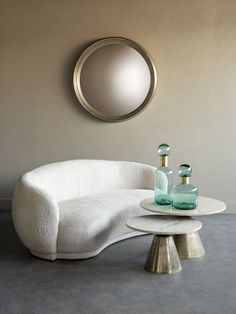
(71, 179)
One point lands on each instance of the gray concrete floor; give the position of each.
(115, 281)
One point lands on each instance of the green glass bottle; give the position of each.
(163, 177)
(184, 195)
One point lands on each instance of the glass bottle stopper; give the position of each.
(163, 151)
(185, 171)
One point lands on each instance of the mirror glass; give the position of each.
(114, 79)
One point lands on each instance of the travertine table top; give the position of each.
(164, 225)
(206, 206)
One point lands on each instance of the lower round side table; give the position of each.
(163, 256)
(189, 244)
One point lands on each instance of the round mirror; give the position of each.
(114, 79)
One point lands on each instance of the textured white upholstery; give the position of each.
(74, 209)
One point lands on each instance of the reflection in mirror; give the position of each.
(114, 79)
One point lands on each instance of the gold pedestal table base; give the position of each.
(163, 256)
(189, 244)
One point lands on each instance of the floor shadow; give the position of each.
(11, 247)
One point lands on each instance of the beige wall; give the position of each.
(193, 44)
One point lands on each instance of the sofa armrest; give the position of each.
(35, 216)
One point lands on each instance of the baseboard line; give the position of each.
(231, 208)
(6, 203)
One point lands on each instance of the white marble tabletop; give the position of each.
(164, 225)
(206, 206)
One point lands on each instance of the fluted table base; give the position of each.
(189, 245)
(163, 256)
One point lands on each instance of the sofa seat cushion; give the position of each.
(90, 223)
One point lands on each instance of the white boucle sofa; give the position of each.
(74, 209)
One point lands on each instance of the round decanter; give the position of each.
(184, 194)
(163, 177)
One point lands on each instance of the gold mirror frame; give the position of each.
(77, 77)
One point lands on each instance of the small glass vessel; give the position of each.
(184, 194)
(163, 177)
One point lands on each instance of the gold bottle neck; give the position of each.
(164, 161)
(184, 180)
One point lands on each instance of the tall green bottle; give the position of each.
(184, 194)
(163, 177)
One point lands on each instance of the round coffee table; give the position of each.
(189, 245)
(163, 256)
